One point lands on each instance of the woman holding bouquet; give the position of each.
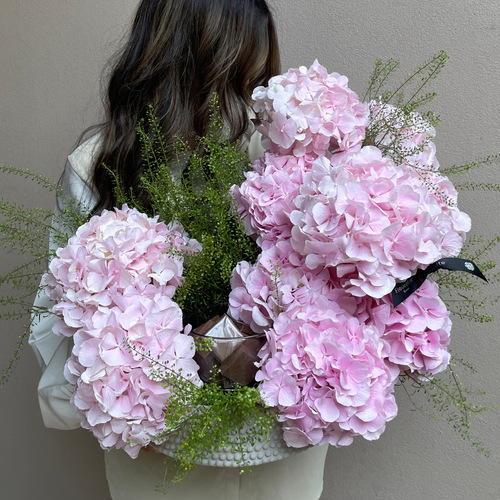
(179, 53)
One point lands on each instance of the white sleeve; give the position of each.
(255, 149)
(52, 351)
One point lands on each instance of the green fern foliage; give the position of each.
(193, 188)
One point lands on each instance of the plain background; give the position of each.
(52, 54)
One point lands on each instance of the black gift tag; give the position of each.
(403, 290)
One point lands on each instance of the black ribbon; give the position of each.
(403, 290)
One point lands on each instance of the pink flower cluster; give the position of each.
(326, 375)
(339, 223)
(331, 359)
(310, 111)
(267, 197)
(277, 280)
(375, 222)
(417, 331)
(113, 285)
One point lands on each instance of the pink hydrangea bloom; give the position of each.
(373, 221)
(267, 196)
(116, 249)
(310, 111)
(276, 281)
(417, 331)
(323, 371)
(112, 285)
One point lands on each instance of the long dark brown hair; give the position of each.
(178, 54)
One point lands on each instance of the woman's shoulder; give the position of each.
(83, 157)
(76, 181)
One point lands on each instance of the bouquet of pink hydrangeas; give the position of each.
(112, 285)
(339, 223)
(307, 247)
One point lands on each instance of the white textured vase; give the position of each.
(261, 452)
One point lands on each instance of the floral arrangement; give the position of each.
(112, 285)
(306, 246)
(342, 222)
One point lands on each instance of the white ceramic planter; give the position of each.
(260, 453)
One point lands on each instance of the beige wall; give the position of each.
(51, 56)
